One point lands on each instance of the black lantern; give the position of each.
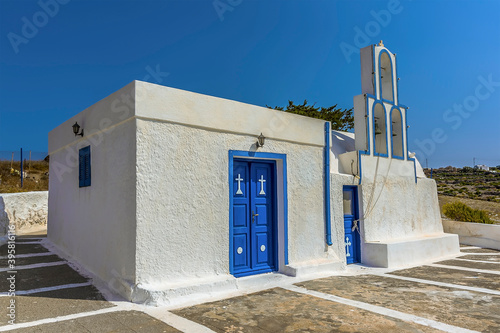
(76, 129)
(260, 140)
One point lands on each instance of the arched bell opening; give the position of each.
(386, 76)
(379, 130)
(397, 133)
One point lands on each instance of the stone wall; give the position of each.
(24, 210)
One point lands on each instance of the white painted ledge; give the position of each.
(224, 286)
(477, 234)
(314, 267)
(408, 252)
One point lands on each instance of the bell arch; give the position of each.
(386, 77)
(379, 130)
(397, 143)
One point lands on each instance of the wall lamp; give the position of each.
(76, 129)
(260, 140)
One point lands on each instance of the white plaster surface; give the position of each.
(374, 168)
(23, 210)
(341, 142)
(477, 234)
(399, 208)
(156, 218)
(183, 224)
(189, 108)
(419, 169)
(97, 121)
(95, 225)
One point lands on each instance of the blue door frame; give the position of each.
(253, 226)
(352, 237)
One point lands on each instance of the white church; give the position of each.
(162, 192)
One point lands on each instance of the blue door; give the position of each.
(351, 227)
(253, 223)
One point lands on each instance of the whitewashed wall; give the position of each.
(400, 208)
(96, 225)
(183, 201)
(156, 216)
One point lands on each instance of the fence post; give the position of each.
(21, 167)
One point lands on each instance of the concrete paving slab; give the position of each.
(471, 310)
(455, 276)
(31, 260)
(479, 251)
(23, 249)
(481, 257)
(27, 279)
(116, 322)
(471, 264)
(55, 303)
(86, 293)
(28, 239)
(279, 310)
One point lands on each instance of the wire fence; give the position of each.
(28, 155)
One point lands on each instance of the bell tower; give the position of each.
(379, 118)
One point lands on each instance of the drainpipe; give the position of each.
(327, 185)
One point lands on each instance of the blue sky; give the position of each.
(258, 52)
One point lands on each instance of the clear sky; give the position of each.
(58, 57)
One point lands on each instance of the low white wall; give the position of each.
(477, 234)
(23, 210)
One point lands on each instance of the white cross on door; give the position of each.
(347, 244)
(262, 181)
(239, 180)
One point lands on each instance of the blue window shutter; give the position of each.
(84, 167)
(87, 167)
(81, 168)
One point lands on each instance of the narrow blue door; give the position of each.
(351, 227)
(253, 226)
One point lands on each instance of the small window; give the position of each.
(84, 167)
(348, 203)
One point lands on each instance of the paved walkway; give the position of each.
(455, 295)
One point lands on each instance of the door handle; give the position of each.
(253, 216)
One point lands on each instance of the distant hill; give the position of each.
(478, 189)
(467, 182)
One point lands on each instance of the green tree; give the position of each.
(342, 120)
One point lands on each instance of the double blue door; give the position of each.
(253, 222)
(351, 227)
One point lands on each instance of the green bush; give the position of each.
(461, 212)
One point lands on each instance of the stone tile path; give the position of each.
(455, 295)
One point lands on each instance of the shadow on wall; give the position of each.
(342, 142)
